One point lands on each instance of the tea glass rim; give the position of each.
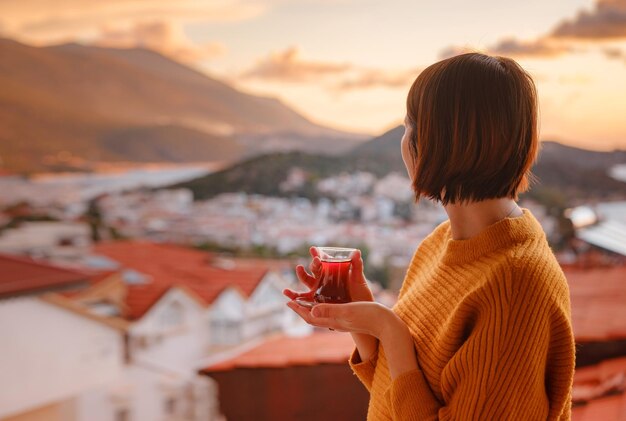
(335, 248)
(324, 249)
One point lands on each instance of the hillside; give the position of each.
(89, 101)
(264, 174)
(565, 174)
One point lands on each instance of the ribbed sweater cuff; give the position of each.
(364, 370)
(411, 397)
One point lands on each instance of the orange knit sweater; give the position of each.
(490, 318)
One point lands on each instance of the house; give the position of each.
(231, 301)
(57, 241)
(288, 378)
(68, 354)
(600, 232)
(52, 354)
(183, 307)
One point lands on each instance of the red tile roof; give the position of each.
(168, 266)
(600, 391)
(22, 275)
(598, 297)
(283, 351)
(93, 278)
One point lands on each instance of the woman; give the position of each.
(482, 327)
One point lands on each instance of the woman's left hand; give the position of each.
(366, 317)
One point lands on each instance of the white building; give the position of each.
(182, 308)
(67, 356)
(51, 355)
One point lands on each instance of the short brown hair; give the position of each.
(475, 129)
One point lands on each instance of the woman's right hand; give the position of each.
(357, 285)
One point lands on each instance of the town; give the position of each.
(152, 304)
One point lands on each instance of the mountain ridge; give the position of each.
(72, 98)
(565, 174)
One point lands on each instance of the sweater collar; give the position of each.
(502, 234)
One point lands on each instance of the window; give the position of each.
(172, 315)
(104, 308)
(226, 332)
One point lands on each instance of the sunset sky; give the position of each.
(349, 63)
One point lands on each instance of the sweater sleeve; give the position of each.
(364, 370)
(516, 363)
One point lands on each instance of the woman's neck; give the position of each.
(468, 219)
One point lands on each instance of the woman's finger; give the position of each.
(302, 311)
(291, 294)
(305, 278)
(316, 267)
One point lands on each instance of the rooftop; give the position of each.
(151, 269)
(598, 296)
(608, 235)
(21, 275)
(285, 351)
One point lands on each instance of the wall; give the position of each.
(159, 339)
(319, 392)
(49, 354)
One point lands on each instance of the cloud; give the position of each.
(606, 21)
(455, 50)
(613, 53)
(288, 66)
(540, 48)
(46, 21)
(162, 36)
(375, 78)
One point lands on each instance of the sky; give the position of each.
(348, 64)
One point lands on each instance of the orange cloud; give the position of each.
(375, 78)
(543, 47)
(606, 21)
(287, 66)
(614, 53)
(46, 21)
(540, 48)
(164, 37)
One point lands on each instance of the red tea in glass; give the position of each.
(333, 287)
(334, 283)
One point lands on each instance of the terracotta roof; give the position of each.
(93, 278)
(22, 275)
(168, 266)
(600, 391)
(284, 351)
(598, 297)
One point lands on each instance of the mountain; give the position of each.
(381, 154)
(565, 174)
(89, 102)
